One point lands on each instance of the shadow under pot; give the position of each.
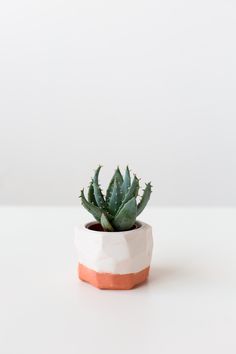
(114, 260)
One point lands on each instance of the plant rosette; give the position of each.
(114, 260)
(115, 251)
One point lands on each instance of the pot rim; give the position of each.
(141, 225)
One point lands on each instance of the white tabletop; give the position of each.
(188, 306)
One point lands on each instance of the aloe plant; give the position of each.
(118, 209)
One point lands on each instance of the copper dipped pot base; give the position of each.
(112, 281)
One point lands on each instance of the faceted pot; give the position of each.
(114, 260)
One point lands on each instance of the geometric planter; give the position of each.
(114, 260)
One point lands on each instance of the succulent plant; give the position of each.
(118, 209)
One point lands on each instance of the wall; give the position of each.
(147, 83)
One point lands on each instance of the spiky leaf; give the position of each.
(119, 179)
(109, 190)
(93, 209)
(126, 217)
(105, 223)
(118, 176)
(115, 199)
(91, 197)
(126, 183)
(132, 192)
(145, 198)
(97, 190)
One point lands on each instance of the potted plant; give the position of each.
(115, 250)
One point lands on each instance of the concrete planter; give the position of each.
(114, 260)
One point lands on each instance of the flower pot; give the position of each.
(114, 260)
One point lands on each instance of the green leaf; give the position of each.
(119, 178)
(100, 201)
(126, 217)
(105, 223)
(96, 174)
(109, 190)
(132, 192)
(145, 198)
(126, 183)
(115, 199)
(91, 197)
(93, 209)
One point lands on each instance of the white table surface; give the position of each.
(188, 306)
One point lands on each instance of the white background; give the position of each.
(149, 83)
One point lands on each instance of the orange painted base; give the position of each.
(112, 281)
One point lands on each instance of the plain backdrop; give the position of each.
(148, 83)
